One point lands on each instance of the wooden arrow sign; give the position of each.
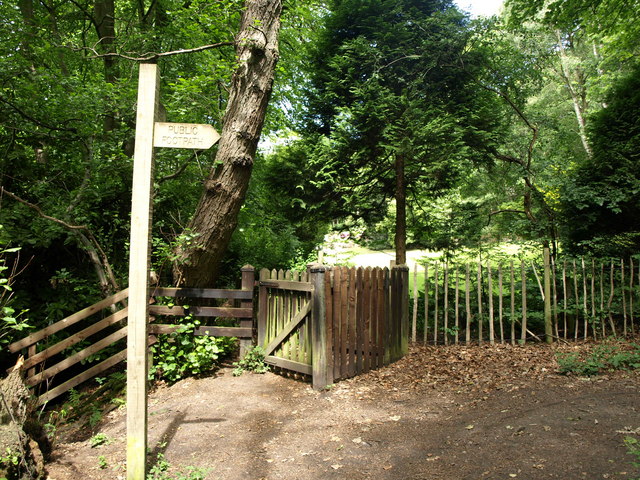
(184, 135)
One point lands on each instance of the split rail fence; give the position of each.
(333, 323)
(55, 355)
(494, 301)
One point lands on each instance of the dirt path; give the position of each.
(448, 413)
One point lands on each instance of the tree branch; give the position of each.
(178, 172)
(147, 57)
(86, 237)
(35, 121)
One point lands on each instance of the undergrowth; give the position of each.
(253, 361)
(181, 354)
(609, 356)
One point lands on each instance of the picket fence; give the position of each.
(498, 301)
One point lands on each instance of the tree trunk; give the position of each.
(577, 89)
(216, 215)
(401, 212)
(104, 12)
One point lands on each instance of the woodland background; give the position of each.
(405, 123)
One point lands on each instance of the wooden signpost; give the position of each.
(149, 134)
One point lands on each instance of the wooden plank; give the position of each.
(287, 285)
(201, 293)
(414, 318)
(383, 293)
(565, 300)
(289, 365)
(435, 306)
(139, 254)
(239, 332)
(366, 302)
(330, 325)
(68, 321)
(359, 321)
(523, 333)
(263, 305)
(376, 309)
(512, 292)
(76, 338)
(445, 302)
(467, 300)
(624, 298)
(500, 303)
(321, 367)
(480, 317)
(86, 375)
(492, 336)
(404, 307)
(229, 312)
(425, 334)
(457, 307)
(73, 359)
(287, 329)
(577, 299)
(555, 296)
(385, 317)
(612, 291)
(344, 318)
(352, 322)
(631, 313)
(584, 299)
(548, 319)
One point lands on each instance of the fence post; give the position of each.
(321, 366)
(548, 325)
(248, 279)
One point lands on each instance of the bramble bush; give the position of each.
(182, 353)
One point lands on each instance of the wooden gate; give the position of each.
(284, 319)
(333, 323)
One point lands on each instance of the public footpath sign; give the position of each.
(149, 134)
(184, 135)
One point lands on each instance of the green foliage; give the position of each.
(633, 448)
(12, 322)
(160, 471)
(604, 357)
(102, 462)
(602, 201)
(253, 361)
(99, 439)
(182, 353)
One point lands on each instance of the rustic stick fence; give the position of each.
(517, 300)
(333, 323)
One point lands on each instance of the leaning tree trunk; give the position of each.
(216, 216)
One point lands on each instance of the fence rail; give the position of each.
(54, 354)
(516, 300)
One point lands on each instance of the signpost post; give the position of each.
(149, 134)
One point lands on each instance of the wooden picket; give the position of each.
(364, 320)
(569, 299)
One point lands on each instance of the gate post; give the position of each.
(321, 350)
(248, 279)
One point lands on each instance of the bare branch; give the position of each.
(41, 213)
(148, 57)
(34, 120)
(507, 210)
(178, 172)
(85, 236)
